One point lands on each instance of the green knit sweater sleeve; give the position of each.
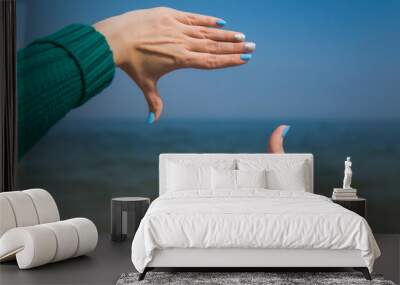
(56, 74)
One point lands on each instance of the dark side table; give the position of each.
(126, 214)
(358, 206)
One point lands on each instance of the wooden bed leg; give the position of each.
(364, 271)
(143, 274)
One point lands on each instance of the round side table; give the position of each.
(126, 214)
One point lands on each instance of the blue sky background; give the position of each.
(314, 59)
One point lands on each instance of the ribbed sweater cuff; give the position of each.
(92, 54)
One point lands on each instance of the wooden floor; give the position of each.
(110, 260)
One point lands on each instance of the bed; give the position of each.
(245, 211)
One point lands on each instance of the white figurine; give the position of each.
(348, 173)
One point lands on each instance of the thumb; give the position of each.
(154, 102)
(276, 139)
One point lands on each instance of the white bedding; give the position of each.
(250, 218)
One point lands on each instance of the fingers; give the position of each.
(275, 144)
(154, 102)
(213, 47)
(213, 61)
(199, 20)
(214, 34)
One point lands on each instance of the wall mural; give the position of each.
(329, 70)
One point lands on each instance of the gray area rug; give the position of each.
(232, 278)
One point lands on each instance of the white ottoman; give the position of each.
(31, 232)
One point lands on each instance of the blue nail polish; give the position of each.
(245, 57)
(150, 118)
(285, 131)
(221, 23)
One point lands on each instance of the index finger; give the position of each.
(193, 19)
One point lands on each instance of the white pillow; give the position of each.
(188, 177)
(290, 179)
(281, 174)
(223, 179)
(227, 179)
(251, 178)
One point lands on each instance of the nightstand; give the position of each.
(358, 205)
(126, 214)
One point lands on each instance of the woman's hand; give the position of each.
(147, 44)
(275, 144)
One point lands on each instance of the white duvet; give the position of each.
(250, 219)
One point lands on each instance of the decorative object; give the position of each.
(249, 278)
(31, 231)
(126, 214)
(347, 192)
(348, 173)
(344, 194)
(358, 205)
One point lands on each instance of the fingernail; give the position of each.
(150, 118)
(239, 37)
(285, 131)
(245, 57)
(221, 23)
(250, 46)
